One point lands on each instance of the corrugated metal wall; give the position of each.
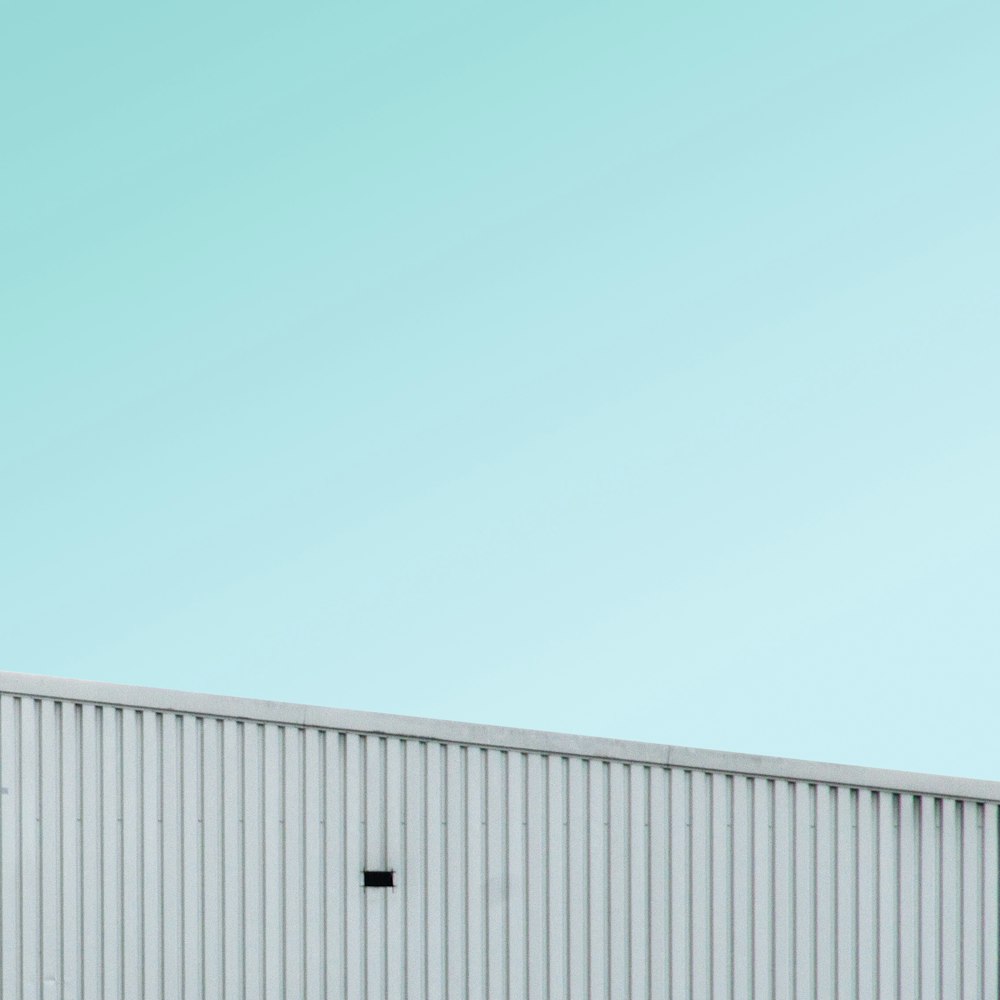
(148, 854)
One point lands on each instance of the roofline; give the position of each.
(500, 737)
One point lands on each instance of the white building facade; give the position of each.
(170, 846)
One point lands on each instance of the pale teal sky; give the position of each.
(630, 370)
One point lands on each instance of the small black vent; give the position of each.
(380, 880)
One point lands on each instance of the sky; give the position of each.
(630, 370)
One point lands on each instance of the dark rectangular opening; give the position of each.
(379, 880)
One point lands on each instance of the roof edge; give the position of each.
(501, 737)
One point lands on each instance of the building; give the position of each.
(163, 845)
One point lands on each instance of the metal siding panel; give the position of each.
(50, 821)
(908, 936)
(476, 902)
(254, 932)
(516, 865)
(313, 865)
(10, 842)
(395, 839)
(784, 902)
(929, 900)
(31, 916)
(496, 854)
(557, 895)
(658, 884)
(541, 862)
(847, 943)
(742, 887)
(132, 860)
(971, 824)
(867, 889)
(213, 918)
(867, 893)
(804, 888)
(374, 858)
(456, 889)
(150, 849)
(950, 938)
(825, 897)
(701, 885)
(70, 791)
(618, 878)
(233, 897)
(721, 887)
(763, 887)
(274, 836)
(598, 980)
(579, 877)
(991, 902)
(355, 845)
(680, 884)
(293, 864)
(175, 855)
(334, 844)
(191, 805)
(413, 871)
(888, 896)
(434, 870)
(91, 855)
(638, 864)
